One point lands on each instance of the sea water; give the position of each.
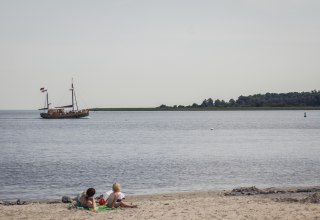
(156, 152)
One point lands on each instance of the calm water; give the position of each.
(154, 152)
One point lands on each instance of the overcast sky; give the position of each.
(146, 53)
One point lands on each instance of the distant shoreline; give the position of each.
(207, 109)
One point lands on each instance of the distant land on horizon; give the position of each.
(268, 101)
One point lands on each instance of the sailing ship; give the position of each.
(62, 111)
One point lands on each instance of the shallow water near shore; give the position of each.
(156, 152)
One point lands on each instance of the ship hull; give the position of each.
(80, 114)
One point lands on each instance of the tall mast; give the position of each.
(47, 102)
(72, 95)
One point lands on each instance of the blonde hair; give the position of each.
(116, 187)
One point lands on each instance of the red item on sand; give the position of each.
(102, 201)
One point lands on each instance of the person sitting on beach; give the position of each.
(86, 200)
(115, 198)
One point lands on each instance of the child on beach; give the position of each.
(86, 200)
(115, 198)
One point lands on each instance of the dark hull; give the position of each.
(79, 114)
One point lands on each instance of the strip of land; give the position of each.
(242, 203)
(206, 109)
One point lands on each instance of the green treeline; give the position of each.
(268, 101)
(291, 99)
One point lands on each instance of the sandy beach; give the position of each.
(285, 203)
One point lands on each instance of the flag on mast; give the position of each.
(42, 89)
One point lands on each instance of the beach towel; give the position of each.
(100, 208)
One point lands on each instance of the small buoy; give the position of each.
(305, 114)
(211, 129)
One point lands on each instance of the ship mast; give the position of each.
(47, 101)
(72, 95)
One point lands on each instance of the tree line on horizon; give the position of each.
(291, 99)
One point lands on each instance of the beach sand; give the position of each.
(191, 205)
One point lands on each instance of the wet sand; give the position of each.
(284, 203)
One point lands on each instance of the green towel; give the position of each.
(100, 208)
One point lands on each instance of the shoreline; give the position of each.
(240, 203)
(270, 190)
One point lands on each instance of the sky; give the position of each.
(144, 53)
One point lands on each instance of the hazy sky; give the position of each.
(145, 53)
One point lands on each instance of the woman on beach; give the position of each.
(86, 200)
(115, 198)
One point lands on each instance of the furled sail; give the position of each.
(66, 106)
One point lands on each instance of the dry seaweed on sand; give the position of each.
(313, 198)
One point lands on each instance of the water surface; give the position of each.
(155, 152)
